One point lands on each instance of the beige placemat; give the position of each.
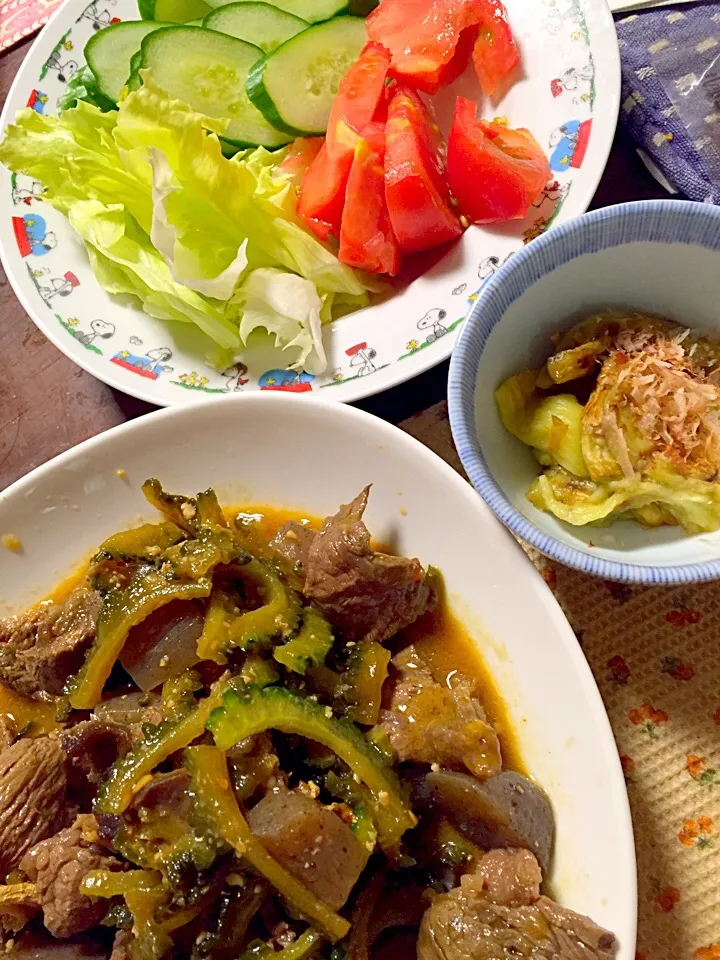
(655, 653)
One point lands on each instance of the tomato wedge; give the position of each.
(494, 172)
(322, 191)
(424, 38)
(495, 55)
(301, 153)
(421, 35)
(367, 240)
(416, 190)
(444, 76)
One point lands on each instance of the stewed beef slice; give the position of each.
(494, 915)
(33, 786)
(430, 722)
(365, 594)
(42, 648)
(7, 733)
(311, 842)
(57, 866)
(293, 542)
(31, 945)
(121, 945)
(510, 877)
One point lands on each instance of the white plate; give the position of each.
(568, 98)
(281, 451)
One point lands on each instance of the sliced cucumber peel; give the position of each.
(261, 24)
(313, 11)
(207, 70)
(295, 86)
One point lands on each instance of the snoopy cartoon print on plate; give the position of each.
(90, 339)
(152, 364)
(568, 96)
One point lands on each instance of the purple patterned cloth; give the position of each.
(671, 93)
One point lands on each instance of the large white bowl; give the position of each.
(659, 256)
(279, 450)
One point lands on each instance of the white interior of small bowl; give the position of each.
(282, 451)
(678, 281)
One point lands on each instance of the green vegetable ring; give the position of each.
(249, 710)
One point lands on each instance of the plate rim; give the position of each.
(602, 23)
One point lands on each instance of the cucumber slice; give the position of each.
(208, 70)
(259, 23)
(295, 86)
(134, 81)
(109, 53)
(312, 11)
(173, 11)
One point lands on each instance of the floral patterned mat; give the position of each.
(21, 18)
(655, 653)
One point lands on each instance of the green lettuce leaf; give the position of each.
(218, 203)
(125, 261)
(83, 86)
(75, 157)
(200, 198)
(188, 261)
(195, 235)
(289, 308)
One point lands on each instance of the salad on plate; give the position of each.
(259, 170)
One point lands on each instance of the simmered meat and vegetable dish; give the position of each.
(236, 737)
(624, 417)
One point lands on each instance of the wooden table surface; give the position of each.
(47, 404)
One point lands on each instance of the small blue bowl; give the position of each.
(658, 256)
